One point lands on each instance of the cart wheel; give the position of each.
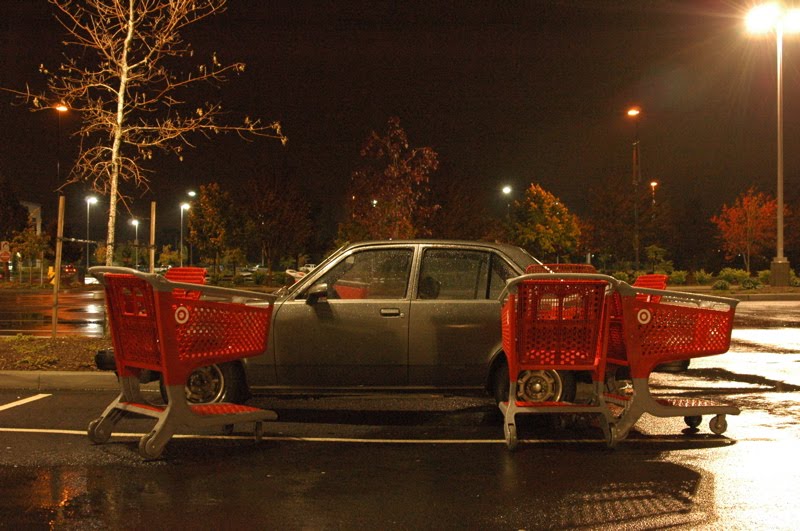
(611, 435)
(718, 425)
(511, 436)
(259, 431)
(97, 434)
(693, 421)
(227, 429)
(146, 448)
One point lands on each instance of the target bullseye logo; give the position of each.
(181, 314)
(644, 316)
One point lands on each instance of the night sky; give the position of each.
(505, 92)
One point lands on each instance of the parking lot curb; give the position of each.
(53, 380)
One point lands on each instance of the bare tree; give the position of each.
(120, 78)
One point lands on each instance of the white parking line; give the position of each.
(23, 401)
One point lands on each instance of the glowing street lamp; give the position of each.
(60, 109)
(653, 185)
(135, 223)
(634, 113)
(764, 19)
(184, 207)
(90, 200)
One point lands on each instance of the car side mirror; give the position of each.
(317, 292)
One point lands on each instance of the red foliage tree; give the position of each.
(389, 196)
(748, 226)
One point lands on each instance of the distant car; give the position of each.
(415, 314)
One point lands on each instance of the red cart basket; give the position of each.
(660, 326)
(154, 328)
(556, 322)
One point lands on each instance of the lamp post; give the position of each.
(763, 19)
(90, 200)
(634, 113)
(184, 206)
(135, 223)
(60, 109)
(653, 185)
(507, 190)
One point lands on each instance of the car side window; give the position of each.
(452, 274)
(371, 274)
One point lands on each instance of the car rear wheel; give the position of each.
(535, 386)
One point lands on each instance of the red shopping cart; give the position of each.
(556, 322)
(660, 326)
(154, 329)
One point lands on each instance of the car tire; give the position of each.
(566, 380)
(225, 382)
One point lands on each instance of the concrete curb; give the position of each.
(53, 380)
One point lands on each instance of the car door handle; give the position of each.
(391, 312)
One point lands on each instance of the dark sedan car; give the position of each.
(416, 314)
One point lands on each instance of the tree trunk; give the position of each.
(115, 150)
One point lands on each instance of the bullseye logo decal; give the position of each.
(644, 316)
(181, 315)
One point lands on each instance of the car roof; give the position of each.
(522, 257)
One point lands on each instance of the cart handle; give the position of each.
(511, 283)
(160, 283)
(626, 290)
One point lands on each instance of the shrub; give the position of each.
(764, 276)
(721, 285)
(677, 277)
(260, 278)
(750, 283)
(238, 279)
(702, 277)
(621, 275)
(733, 276)
(793, 279)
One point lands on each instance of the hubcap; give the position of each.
(205, 385)
(539, 386)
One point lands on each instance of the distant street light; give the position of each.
(764, 19)
(507, 190)
(653, 185)
(634, 113)
(90, 200)
(135, 223)
(60, 109)
(184, 206)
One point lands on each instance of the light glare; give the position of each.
(763, 18)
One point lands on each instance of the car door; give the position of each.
(350, 326)
(455, 316)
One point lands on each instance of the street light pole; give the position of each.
(90, 200)
(184, 206)
(763, 19)
(135, 223)
(634, 112)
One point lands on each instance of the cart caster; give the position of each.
(259, 431)
(611, 435)
(511, 436)
(98, 434)
(146, 447)
(693, 421)
(227, 429)
(718, 425)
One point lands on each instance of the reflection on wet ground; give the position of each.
(81, 313)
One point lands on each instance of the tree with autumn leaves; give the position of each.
(543, 225)
(389, 195)
(747, 227)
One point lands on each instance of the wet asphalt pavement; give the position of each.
(432, 461)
